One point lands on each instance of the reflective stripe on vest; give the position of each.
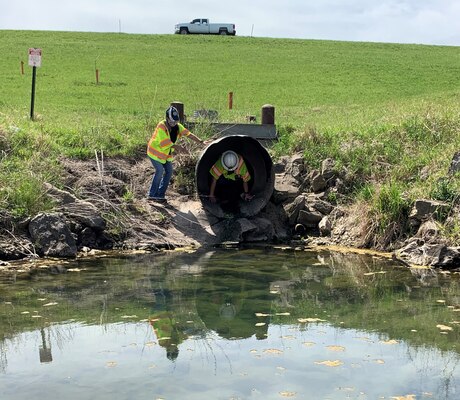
(217, 171)
(166, 142)
(156, 153)
(185, 132)
(240, 164)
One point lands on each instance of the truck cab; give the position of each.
(200, 25)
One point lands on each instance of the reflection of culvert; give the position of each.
(260, 167)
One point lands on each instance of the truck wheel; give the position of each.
(183, 31)
(223, 32)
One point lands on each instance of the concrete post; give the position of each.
(268, 114)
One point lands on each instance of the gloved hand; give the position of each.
(247, 196)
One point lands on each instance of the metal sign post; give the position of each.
(35, 60)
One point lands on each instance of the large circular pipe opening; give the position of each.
(229, 201)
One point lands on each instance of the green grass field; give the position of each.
(322, 83)
(383, 111)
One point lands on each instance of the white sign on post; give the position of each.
(35, 57)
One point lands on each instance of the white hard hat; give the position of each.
(229, 160)
(172, 116)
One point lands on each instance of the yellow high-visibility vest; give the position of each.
(241, 170)
(160, 146)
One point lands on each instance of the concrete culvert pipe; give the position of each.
(260, 168)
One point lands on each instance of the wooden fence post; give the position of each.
(230, 100)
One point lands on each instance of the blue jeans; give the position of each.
(161, 178)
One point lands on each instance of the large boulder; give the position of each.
(325, 226)
(309, 219)
(430, 254)
(288, 175)
(314, 201)
(427, 209)
(328, 168)
(292, 209)
(51, 236)
(317, 181)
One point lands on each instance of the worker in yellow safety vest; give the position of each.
(160, 148)
(230, 166)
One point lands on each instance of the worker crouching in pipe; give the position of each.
(234, 176)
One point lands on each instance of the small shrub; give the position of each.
(388, 215)
(366, 193)
(445, 189)
(26, 197)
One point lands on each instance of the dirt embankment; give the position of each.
(103, 205)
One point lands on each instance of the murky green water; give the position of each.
(231, 324)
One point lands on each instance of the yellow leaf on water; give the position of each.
(407, 397)
(380, 361)
(150, 344)
(287, 337)
(261, 324)
(274, 292)
(259, 314)
(305, 320)
(25, 312)
(328, 363)
(129, 316)
(49, 304)
(288, 394)
(273, 351)
(444, 327)
(391, 341)
(308, 344)
(336, 348)
(111, 364)
(283, 313)
(253, 351)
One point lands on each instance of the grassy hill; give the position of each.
(309, 82)
(385, 112)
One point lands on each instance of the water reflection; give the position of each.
(260, 322)
(45, 349)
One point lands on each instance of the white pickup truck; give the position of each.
(202, 26)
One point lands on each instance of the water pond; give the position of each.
(231, 324)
